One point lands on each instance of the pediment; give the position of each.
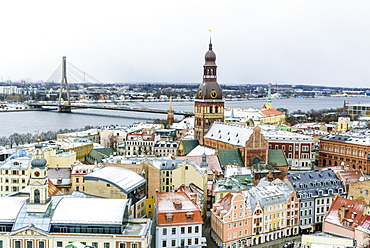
(29, 231)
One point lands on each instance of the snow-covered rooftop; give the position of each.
(89, 211)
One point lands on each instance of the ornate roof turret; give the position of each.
(210, 56)
(39, 161)
(204, 161)
(209, 88)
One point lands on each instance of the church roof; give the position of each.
(230, 156)
(229, 133)
(188, 145)
(277, 157)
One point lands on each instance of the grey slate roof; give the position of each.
(308, 184)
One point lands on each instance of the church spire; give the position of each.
(268, 104)
(170, 114)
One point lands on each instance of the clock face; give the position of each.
(213, 94)
(200, 94)
(37, 174)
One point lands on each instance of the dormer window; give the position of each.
(169, 217)
(189, 216)
(177, 204)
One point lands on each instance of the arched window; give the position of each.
(256, 160)
(37, 196)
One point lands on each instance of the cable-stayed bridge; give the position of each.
(62, 75)
(54, 105)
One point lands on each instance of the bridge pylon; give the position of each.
(64, 107)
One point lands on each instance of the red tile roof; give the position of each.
(52, 189)
(345, 213)
(351, 176)
(167, 203)
(271, 112)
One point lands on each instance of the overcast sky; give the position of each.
(315, 42)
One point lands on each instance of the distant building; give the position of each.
(9, 90)
(165, 148)
(138, 144)
(344, 121)
(357, 110)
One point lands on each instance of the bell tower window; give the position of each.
(37, 196)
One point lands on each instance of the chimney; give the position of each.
(193, 197)
(342, 212)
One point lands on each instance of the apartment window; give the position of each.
(41, 244)
(134, 245)
(106, 245)
(190, 229)
(164, 243)
(290, 148)
(96, 245)
(182, 242)
(182, 230)
(189, 241)
(305, 148)
(196, 229)
(173, 242)
(196, 241)
(29, 244)
(164, 232)
(77, 180)
(18, 244)
(173, 231)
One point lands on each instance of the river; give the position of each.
(43, 121)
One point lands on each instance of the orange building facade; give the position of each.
(341, 150)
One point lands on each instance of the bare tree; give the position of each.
(4, 141)
(112, 142)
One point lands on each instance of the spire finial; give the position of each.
(210, 37)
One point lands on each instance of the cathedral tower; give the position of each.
(209, 105)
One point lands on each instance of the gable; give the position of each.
(30, 231)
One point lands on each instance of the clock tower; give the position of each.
(39, 199)
(209, 105)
